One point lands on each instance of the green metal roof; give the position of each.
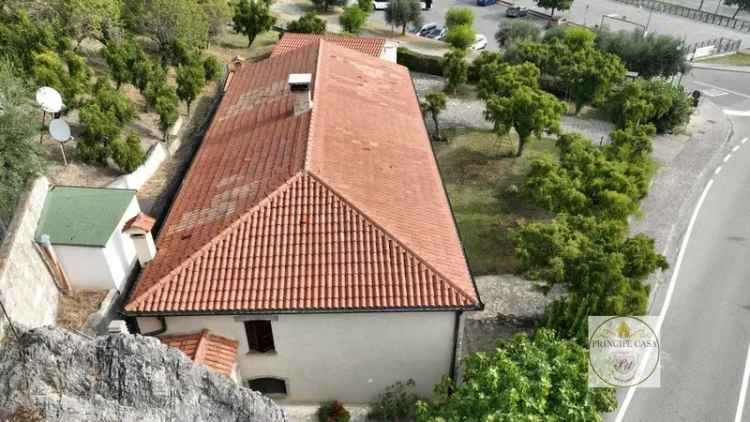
(82, 216)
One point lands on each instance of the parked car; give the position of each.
(437, 33)
(516, 12)
(486, 2)
(480, 42)
(424, 29)
(382, 5)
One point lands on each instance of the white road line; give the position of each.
(727, 157)
(743, 388)
(718, 170)
(670, 290)
(743, 140)
(736, 113)
(735, 148)
(722, 89)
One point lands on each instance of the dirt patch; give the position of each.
(74, 309)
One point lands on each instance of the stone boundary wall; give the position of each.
(27, 289)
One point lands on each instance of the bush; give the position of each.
(128, 155)
(457, 16)
(460, 36)
(419, 62)
(511, 32)
(352, 19)
(333, 411)
(455, 68)
(484, 58)
(310, 23)
(211, 68)
(365, 5)
(652, 55)
(649, 101)
(395, 404)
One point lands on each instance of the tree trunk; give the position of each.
(403, 29)
(188, 107)
(701, 5)
(250, 40)
(736, 12)
(437, 127)
(521, 143)
(553, 12)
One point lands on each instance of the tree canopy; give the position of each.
(169, 21)
(460, 36)
(554, 5)
(741, 5)
(649, 101)
(510, 32)
(403, 12)
(353, 19)
(251, 18)
(650, 56)
(455, 68)
(457, 16)
(532, 379)
(309, 23)
(87, 18)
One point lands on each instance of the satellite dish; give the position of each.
(48, 99)
(59, 130)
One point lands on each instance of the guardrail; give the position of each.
(713, 47)
(690, 13)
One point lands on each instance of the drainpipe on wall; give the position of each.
(49, 257)
(158, 331)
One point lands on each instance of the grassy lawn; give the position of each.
(738, 59)
(479, 171)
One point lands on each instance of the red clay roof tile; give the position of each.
(292, 41)
(216, 352)
(140, 222)
(340, 208)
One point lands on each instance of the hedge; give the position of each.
(418, 62)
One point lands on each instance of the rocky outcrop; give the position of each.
(56, 375)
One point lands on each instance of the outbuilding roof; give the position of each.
(82, 216)
(217, 352)
(340, 208)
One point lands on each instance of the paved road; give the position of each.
(588, 12)
(706, 330)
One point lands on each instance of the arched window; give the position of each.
(268, 385)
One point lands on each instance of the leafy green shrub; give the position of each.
(460, 36)
(649, 101)
(128, 155)
(309, 23)
(515, 31)
(333, 411)
(651, 55)
(365, 5)
(455, 69)
(352, 19)
(541, 378)
(420, 62)
(166, 108)
(103, 119)
(212, 69)
(396, 404)
(458, 16)
(484, 58)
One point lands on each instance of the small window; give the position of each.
(268, 386)
(259, 336)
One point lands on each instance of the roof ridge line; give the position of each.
(382, 229)
(313, 111)
(218, 237)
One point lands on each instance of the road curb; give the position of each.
(721, 68)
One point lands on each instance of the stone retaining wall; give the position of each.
(27, 290)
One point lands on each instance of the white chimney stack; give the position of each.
(139, 230)
(299, 84)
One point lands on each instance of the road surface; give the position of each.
(706, 330)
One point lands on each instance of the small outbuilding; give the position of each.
(86, 230)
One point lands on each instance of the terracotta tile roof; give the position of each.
(340, 208)
(140, 222)
(216, 352)
(292, 41)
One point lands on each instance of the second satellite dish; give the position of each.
(59, 130)
(48, 99)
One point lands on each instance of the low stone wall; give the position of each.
(27, 290)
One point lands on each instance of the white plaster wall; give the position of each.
(154, 157)
(120, 249)
(349, 357)
(85, 267)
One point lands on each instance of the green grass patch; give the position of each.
(737, 59)
(480, 172)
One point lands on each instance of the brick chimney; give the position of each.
(299, 84)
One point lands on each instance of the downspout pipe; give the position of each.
(158, 331)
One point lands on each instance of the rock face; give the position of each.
(59, 375)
